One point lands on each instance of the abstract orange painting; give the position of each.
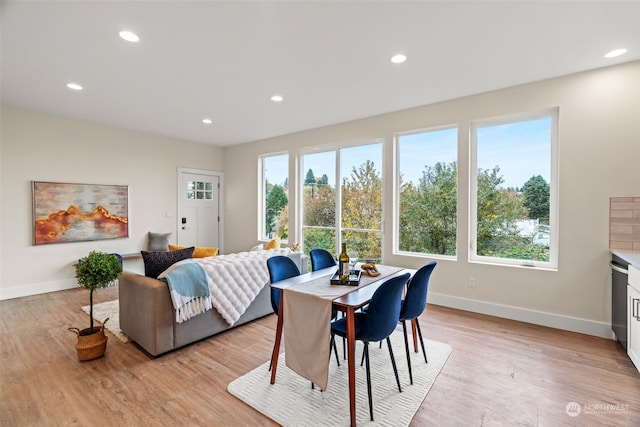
(65, 212)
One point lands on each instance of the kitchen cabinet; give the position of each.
(633, 316)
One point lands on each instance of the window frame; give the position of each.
(262, 197)
(335, 149)
(396, 191)
(552, 263)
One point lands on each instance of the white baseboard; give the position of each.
(567, 323)
(37, 288)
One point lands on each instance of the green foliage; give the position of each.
(276, 201)
(319, 206)
(362, 209)
(536, 192)
(428, 212)
(498, 213)
(522, 249)
(318, 238)
(97, 270)
(310, 178)
(282, 223)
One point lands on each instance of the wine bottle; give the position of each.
(343, 264)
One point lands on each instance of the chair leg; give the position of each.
(393, 362)
(366, 358)
(335, 348)
(406, 347)
(421, 341)
(271, 360)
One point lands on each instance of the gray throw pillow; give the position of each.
(159, 241)
(155, 262)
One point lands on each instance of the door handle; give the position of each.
(636, 308)
(617, 268)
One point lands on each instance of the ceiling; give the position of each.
(329, 60)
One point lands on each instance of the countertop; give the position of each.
(632, 257)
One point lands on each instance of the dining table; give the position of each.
(304, 313)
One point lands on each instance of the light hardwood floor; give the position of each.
(500, 373)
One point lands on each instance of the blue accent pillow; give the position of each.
(155, 262)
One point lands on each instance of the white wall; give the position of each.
(41, 147)
(599, 157)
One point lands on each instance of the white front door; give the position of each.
(198, 208)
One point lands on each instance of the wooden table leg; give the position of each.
(351, 344)
(276, 345)
(414, 334)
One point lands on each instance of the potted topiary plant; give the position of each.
(97, 270)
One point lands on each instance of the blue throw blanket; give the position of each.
(189, 291)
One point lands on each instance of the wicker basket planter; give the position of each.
(91, 346)
(96, 270)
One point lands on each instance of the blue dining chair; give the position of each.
(280, 268)
(414, 304)
(321, 258)
(377, 323)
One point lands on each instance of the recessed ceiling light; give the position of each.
(207, 121)
(74, 86)
(277, 98)
(615, 52)
(129, 36)
(398, 59)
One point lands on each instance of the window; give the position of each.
(428, 192)
(198, 190)
(513, 190)
(274, 197)
(352, 215)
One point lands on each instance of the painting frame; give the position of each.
(73, 212)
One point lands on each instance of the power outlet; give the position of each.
(472, 282)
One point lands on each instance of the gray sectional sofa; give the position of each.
(147, 315)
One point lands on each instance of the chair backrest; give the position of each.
(280, 268)
(383, 312)
(321, 258)
(416, 298)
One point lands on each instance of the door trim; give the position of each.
(220, 175)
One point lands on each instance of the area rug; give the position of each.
(292, 402)
(110, 309)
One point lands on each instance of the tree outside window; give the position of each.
(428, 197)
(275, 199)
(513, 194)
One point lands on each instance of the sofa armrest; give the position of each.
(146, 312)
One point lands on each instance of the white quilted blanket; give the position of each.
(235, 279)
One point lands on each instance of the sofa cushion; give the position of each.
(155, 262)
(158, 241)
(197, 252)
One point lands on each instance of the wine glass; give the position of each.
(353, 259)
